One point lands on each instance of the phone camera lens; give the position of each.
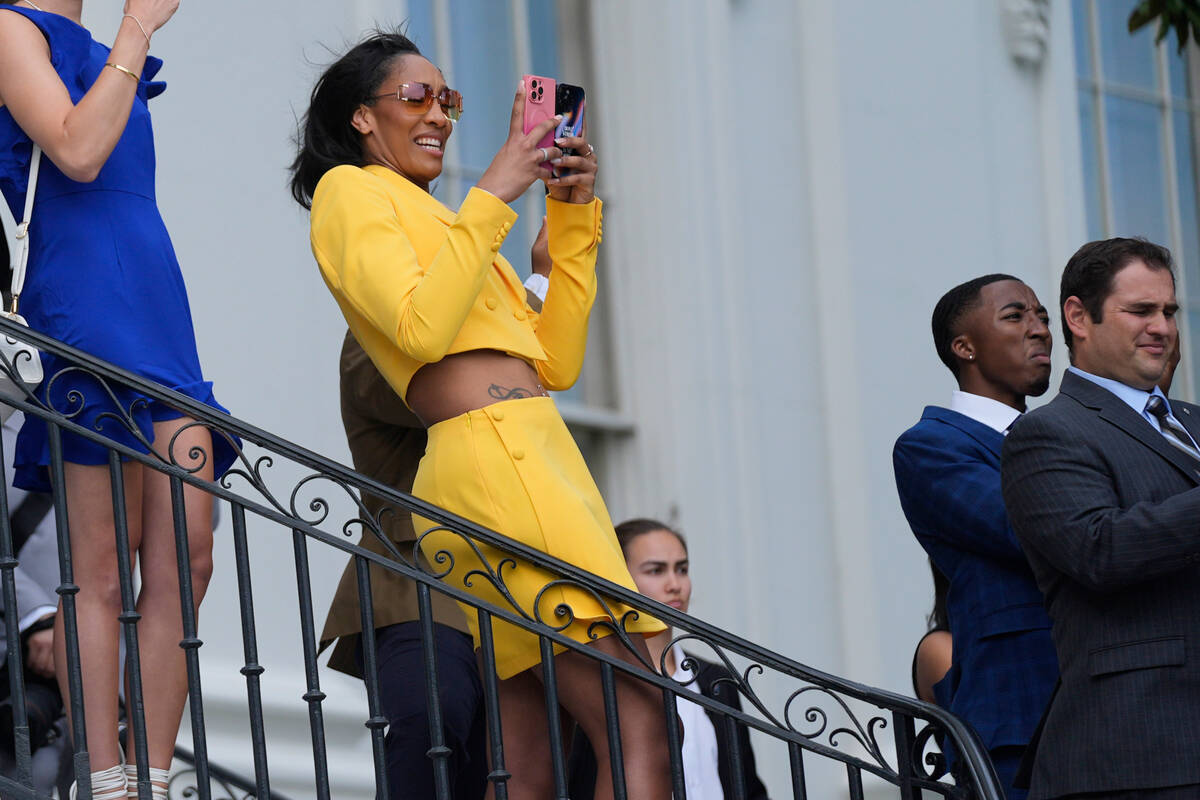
(539, 92)
(533, 96)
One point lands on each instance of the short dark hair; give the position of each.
(327, 138)
(631, 529)
(950, 310)
(1090, 272)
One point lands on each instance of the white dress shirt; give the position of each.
(537, 285)
(1134, 398)
(701, 778)
(985, 410)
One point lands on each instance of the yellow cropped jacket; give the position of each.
(417, 282)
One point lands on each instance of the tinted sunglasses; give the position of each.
(418, 98)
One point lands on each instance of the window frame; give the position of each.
(1100, 89)
(595, 409)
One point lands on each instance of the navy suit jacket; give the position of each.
(948, 476)
(1109, 514)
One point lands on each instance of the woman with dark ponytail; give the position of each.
(445, 319)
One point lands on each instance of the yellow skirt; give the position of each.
(514, 468)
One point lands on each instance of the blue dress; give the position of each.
(103, 276)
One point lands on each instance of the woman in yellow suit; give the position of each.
(444, 317)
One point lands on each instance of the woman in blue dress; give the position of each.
(103, 277)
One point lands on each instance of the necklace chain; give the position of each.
(35, 6)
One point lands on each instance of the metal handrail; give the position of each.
(913, 767)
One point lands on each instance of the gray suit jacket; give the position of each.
(1108, 514)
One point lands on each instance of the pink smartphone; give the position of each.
(539, 106)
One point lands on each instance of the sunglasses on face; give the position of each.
(418, 97)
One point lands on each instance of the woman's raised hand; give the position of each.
(153, 14)
(519, 162)
(579, 184)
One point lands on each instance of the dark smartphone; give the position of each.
(568, 101)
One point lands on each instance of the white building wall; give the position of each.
(790, 188)
(847, 162)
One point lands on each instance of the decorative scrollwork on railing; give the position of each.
(198, 457)
(929, 763)
(738, 679)
(611, 624)
(864, 737)
(442, 556)
(70, 403)
(185, 784)
(67, 402)
(816, 725)
(76, 402)
(319, 507)
(11, 368)
(252, 473)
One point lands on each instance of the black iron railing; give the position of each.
(823, 718)
(225, 784)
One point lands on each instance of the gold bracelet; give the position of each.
(127, 71)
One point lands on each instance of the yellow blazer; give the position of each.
(417, 282)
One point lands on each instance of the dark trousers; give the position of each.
(402, 694)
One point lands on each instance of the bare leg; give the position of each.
(523, 710)
(526, 744)
(642, 716)
(164, 667)
(94, 558)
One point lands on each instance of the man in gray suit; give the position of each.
(1102, 486)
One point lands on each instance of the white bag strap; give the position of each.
(20, 259)
(10, 232)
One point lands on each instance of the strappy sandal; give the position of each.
(158, 781)
(107, 784)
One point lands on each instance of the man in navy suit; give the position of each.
(1103, 488)
(992, 334)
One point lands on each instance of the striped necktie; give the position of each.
(1172, 431)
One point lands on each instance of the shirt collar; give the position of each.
(1134, 398)
(985, 410)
